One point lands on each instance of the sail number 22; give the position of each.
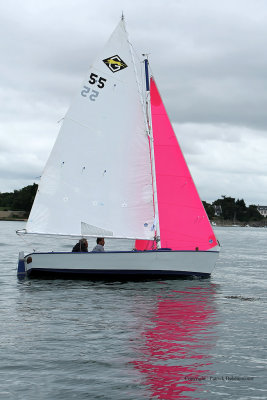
(94, 79)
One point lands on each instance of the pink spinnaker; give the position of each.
(183, 222)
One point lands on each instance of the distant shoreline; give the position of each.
(10, 215)
(221, 223)
(14, 219)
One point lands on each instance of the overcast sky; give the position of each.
(209, 59)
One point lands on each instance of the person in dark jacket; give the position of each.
(81, 246)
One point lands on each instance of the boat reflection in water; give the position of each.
(175, 357)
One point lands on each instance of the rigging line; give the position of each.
(140, 84)
(133, 48)
(22, 235)
(142, 92)
(136, 55)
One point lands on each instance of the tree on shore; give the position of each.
(19, 200)
(235, 210)
(209, 209)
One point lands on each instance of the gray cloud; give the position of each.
(221, 166)
(208, 58)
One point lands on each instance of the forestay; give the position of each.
(99, 173)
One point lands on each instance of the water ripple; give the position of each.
(184, 339)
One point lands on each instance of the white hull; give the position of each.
(134, 264)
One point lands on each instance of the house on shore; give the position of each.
(262, 210)
(217, 211)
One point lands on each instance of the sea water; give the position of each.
(164, 339)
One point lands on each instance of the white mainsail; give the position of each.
(98, 175)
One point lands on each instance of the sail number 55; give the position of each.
(94, 79)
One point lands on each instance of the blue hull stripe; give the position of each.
(109, 273)
(125, 252)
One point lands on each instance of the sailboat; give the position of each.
(117, 171)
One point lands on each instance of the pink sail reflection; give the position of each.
(175, 357)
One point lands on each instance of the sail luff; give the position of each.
(150, 244)
(152, 157)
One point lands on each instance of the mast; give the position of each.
(152, 154)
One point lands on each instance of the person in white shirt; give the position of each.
(99, 248)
